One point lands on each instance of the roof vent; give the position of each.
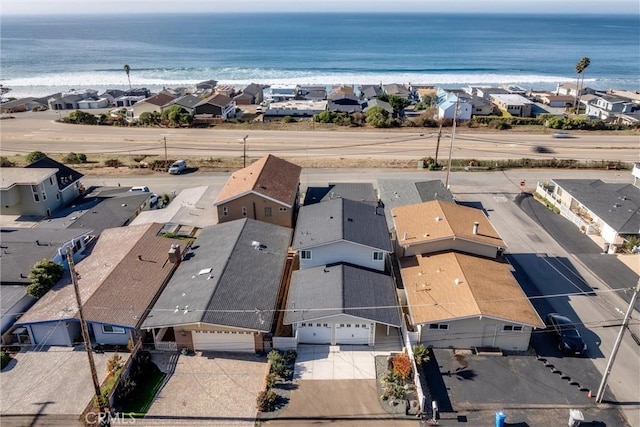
(350, 219)
(258, 246)
(438, 219)
(456, 281)
(476, 224)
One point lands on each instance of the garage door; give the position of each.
(314, 333)
(353, 333)
(223, 341)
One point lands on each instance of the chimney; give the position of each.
(139, 257)
(174, 254)
(476, 224)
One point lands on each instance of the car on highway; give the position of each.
(569, 339)
(541, 149)
(562, 135)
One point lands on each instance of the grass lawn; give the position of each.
(149, 384)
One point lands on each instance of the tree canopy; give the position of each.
(44, 274)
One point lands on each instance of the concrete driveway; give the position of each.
(52, 381)
(209, 389)
(326, 362)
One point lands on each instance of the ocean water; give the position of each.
(44, 55)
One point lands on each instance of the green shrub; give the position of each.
(631, 241)
(74, 158)
(113, 163)
(6, 163)
(266, 401)
(420, 354)
(4, 359)
(35, 156)
(287, 119)
(82, 118)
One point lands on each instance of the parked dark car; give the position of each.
(569, 339)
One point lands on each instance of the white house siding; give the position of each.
(343, 252)
(101, 337)
(335, 330)
(54, 333)
(475, 332)
(609, 234)
(448, 244)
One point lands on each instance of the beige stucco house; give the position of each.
(267, 190)
(464, 301)
(439, 226)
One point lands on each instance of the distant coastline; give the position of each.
(41, 56)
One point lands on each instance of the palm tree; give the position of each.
(127, 69)
(581, 66)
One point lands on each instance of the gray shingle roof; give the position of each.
(358, 191)
(341, 220)
(618, 205)
(321, 292)
(225, 280)
(102, 208)
(23, 247)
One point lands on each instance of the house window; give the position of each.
(225, 211)
(108, 329)
(318, 325)
(305, 254)
(512, 328)
(244, 211)
(282, 209)
(44, 196)
(57, 196)
(439, 326)
(36, 197)
(378, 256)
(325, 325)
(267, 211)
(51, 180)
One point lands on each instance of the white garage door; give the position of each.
(223, 341)
(353, 333)
(314, 333)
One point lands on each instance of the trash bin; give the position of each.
(575, 417)
(605, 248)
(500, 417)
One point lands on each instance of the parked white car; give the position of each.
(177, 167)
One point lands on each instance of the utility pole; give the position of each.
(616, 346)
(165, 152)
(438, 145)
(453, 135)
(244, 151)
(85, 331)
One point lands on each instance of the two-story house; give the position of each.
(267, 190)
(217, 105)
(38, 189)
(454, 276)
(341, 294)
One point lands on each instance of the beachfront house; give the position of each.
(216, 106)
(251, 94)
(152, 104)
(453, 104)
(344, 103)
(187, 102)
(515, 105)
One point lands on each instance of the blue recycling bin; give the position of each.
(500, 417)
